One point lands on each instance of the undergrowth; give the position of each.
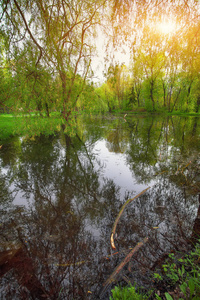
(126, 293)
(180, 278)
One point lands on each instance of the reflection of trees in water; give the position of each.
(64, 231)
(5, 195)
(56, 230)
(165, 147)
(117, 138)
(164, 214)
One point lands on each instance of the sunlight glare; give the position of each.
(167, 27)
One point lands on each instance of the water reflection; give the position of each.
(56, 243)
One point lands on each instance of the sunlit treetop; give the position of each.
(130, 17)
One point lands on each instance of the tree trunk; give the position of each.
(47, 109)
(65, 113)
(151, 94)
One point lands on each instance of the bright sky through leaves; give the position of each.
(167, 27)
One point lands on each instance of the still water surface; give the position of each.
(60, 196)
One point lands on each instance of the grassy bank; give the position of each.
(33, 124)
(29, 125)
(7, 126)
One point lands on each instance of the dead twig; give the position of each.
(118, 269)
(119, 216)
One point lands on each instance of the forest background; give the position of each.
(48, 48)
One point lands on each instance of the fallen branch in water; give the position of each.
(118, 269)
(119, 216)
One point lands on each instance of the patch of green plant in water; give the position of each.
(126, 293)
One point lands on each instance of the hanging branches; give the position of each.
(29, 31)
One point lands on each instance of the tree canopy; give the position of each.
(47, 50)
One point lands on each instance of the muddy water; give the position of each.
(60, 197)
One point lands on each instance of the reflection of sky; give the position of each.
(165, 206)
(21, 198)
(115, 168)
(4, 171)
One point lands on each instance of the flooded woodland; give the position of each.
(61, 197)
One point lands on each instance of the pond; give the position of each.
(60, 197)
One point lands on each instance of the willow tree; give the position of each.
(5, 77)
(62, 34)
(163, 56)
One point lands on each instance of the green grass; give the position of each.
(27, 125)
(7, 126)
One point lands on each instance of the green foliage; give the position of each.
(46, 61)
(157, 276)
(183, 273)
(126, 293)
(107, 96)
(168, 297)
(92, 99)
(148, 105)
(180, 273)
(50, 58)
(118, 86)
(35, 126)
